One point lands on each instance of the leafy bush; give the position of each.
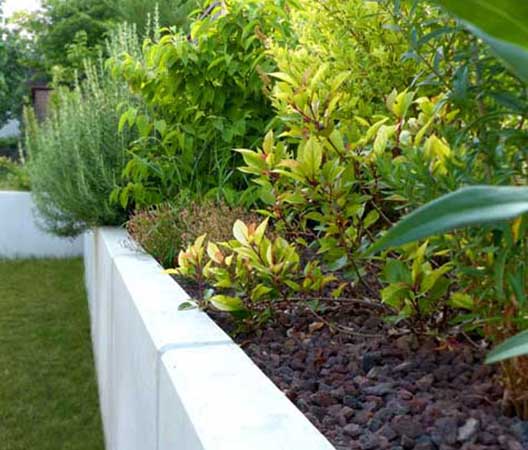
(338, 178)
(9, 147)
(166, 229)
(249, 274)
(352, 155)
(419, 292)
(13, 78)
(13, 175)
(329, 66)
(503, 276)
(319, 178)
(376, 108)
(205, 96)
(76, 155)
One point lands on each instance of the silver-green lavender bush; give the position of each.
(76, 155)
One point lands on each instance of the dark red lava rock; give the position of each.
(368, 393)
(445, 431)
(407, 426)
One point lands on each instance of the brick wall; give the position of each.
(41, 97)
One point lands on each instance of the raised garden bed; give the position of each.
(173, 376)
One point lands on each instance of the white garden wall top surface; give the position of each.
(20, 236)
(171, 379)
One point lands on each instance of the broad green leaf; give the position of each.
(401, 104)
(226, 303)
(260, 291)
(186, 306)
(373, 130)
(511, 348)
(267, 145)
(384, 134)
(430, 279)
(371, 218)
(285, 77)
(260, 231)
(311, 156)
(503, 19)
(214, 253)
(516, 282)
(418, 266)
(503, 25)
(240, 232)
(461, 300)
(253, 159)
(475, 205)
(394, 294)
(395, 271)
(439, 289)
(122, 121)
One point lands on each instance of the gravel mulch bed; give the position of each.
(371, 390)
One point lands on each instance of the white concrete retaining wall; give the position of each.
(170, 379)
(21, 238)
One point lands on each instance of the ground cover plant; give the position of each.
(49, 395)
(166, 229)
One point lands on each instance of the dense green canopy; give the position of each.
(13, 72)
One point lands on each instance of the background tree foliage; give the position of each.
(64, 33)
(172, 13)
(14, 48)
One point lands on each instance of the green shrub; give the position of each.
(13, 175)
(369, 127)
(9, 147)
(251, 273)
(318, 176)
(205, 96)
(166, 229)
(495, 274)
(76, 156)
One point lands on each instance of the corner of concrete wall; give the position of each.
(20, 236)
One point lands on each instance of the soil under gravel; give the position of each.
(370, 390)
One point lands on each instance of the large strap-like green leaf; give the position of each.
(511, 348)
(468, 206)
(503, 25)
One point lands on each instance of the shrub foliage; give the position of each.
(76, 154)
(205, 96)
(166, 229)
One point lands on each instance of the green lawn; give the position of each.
(48, 393)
